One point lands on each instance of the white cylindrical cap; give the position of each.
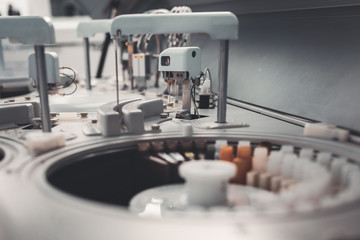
(342, 134)
(206, 181)
(244, 143)
(324, 159)
(274, 163)
(306, 153)
(287, 149)
(43, 141)
(218, 144)
(319, 130)
(188, 130)
(260, 159)
(326, 131)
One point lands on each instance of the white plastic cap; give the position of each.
(188, 130)
(244, 143)
(325, 131)
(306, 153)
(324, 159)
(287, 149)
(218, 144)
(261, 152)
(206, 181)
(43, 141)
(260, 159)
(274, 163)
(318, 130)
(342, 134)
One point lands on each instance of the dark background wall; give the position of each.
(303, 62)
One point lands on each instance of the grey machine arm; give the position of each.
(39, 32)
(221, 26)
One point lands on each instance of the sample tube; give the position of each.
(226, 153)
(244, 152)
(240, 174)
(218, 145)
(260, 159)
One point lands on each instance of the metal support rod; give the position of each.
(42, 87)
(87, 62)
(104, 49)
(2, 62)
(223, 72)
(116, 46)
(130, 63)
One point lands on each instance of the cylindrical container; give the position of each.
(206, 181)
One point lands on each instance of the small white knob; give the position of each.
(206, 181)
(306, 153)
(287, 149)
(188, 130)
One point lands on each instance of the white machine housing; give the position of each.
(181, 59)
(52, 67)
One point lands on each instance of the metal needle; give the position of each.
(117, 72)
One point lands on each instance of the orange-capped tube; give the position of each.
(226, 153)
(240, 174)
(244, 152)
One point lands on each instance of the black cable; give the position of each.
(73, 78)
(72, 82)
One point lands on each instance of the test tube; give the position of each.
(260, 159)
(240, 175)
(226, 153)
(244, 152)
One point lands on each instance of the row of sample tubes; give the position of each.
(166, 156)
(301, 177)
(175, 151)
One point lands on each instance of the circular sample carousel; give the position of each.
(280, 186)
